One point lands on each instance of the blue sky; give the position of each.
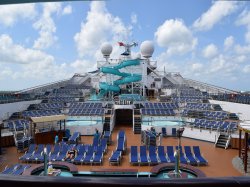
(203, 40)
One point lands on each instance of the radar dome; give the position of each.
(106, 49)
(147, 49)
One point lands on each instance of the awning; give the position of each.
(245, 126)
(48, 118)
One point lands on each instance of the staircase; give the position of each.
(137, 121)
(106, 125)
(223, 140)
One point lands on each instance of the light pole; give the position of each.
(45, 157)
(177, 152)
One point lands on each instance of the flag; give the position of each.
(121, 44)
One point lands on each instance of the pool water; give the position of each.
(170, 174)
(166, 174)
(160, 121)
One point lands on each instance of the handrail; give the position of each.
(41, 181)
(228, 141)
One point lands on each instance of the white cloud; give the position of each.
(240, 59)
(214, 14)
(83, 66)
(243, 18)
(67, 10)
(223, 66)
(246, 69)
(24, 63)
(12, 53)
(10, 14)
(210, 51)
(46, 26)
(5, 72)
(242, 49)
(100, 26)
(228, 42)
(174, 35)
(133, 18)
(196, 66)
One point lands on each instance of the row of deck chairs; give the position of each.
(157, 155)
(88, 154)
(35, 152)
(116, 155)
(16, 169)
(60, 150)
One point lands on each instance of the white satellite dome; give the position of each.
(147, 49)
(106, 49)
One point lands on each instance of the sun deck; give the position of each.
(219, 160)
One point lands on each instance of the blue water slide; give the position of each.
(107, 87)
(125, 77)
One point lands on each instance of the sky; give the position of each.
(208, 41)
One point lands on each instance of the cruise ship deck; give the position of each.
(130, 123)
(220, 160)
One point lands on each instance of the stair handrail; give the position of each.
(217, 135)
(228, 141)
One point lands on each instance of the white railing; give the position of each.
(228, 141)
(217, 135)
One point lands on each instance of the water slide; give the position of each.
(125, 77)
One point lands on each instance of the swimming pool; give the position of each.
(165, 174)
(85, 125)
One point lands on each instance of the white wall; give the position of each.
(242, 109)
(7, 109)
(205, 135)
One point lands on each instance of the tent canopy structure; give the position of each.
(48, 118)
(245, 126)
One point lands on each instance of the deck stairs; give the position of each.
(223, 140)
(137, 121)
(106, 125)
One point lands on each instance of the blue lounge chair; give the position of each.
(183, 160)
(152, 155)
(143, 155)
(103, 145)
(29, 153)
(115, 158)
(198, 156)
(98, 156)
(53, 155)
(62, 153)
(107, 135)
(20, 170)
(89, 156)
(191, 160)
(37, 153)
(162, 154)
(95, 143)
(121, 134)
(40, 158)
(170, 154)
(80, 154)
(164, 131)
(121, 145)
(74, 138)
(11, 169)
(134, 156)
(174, 132)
